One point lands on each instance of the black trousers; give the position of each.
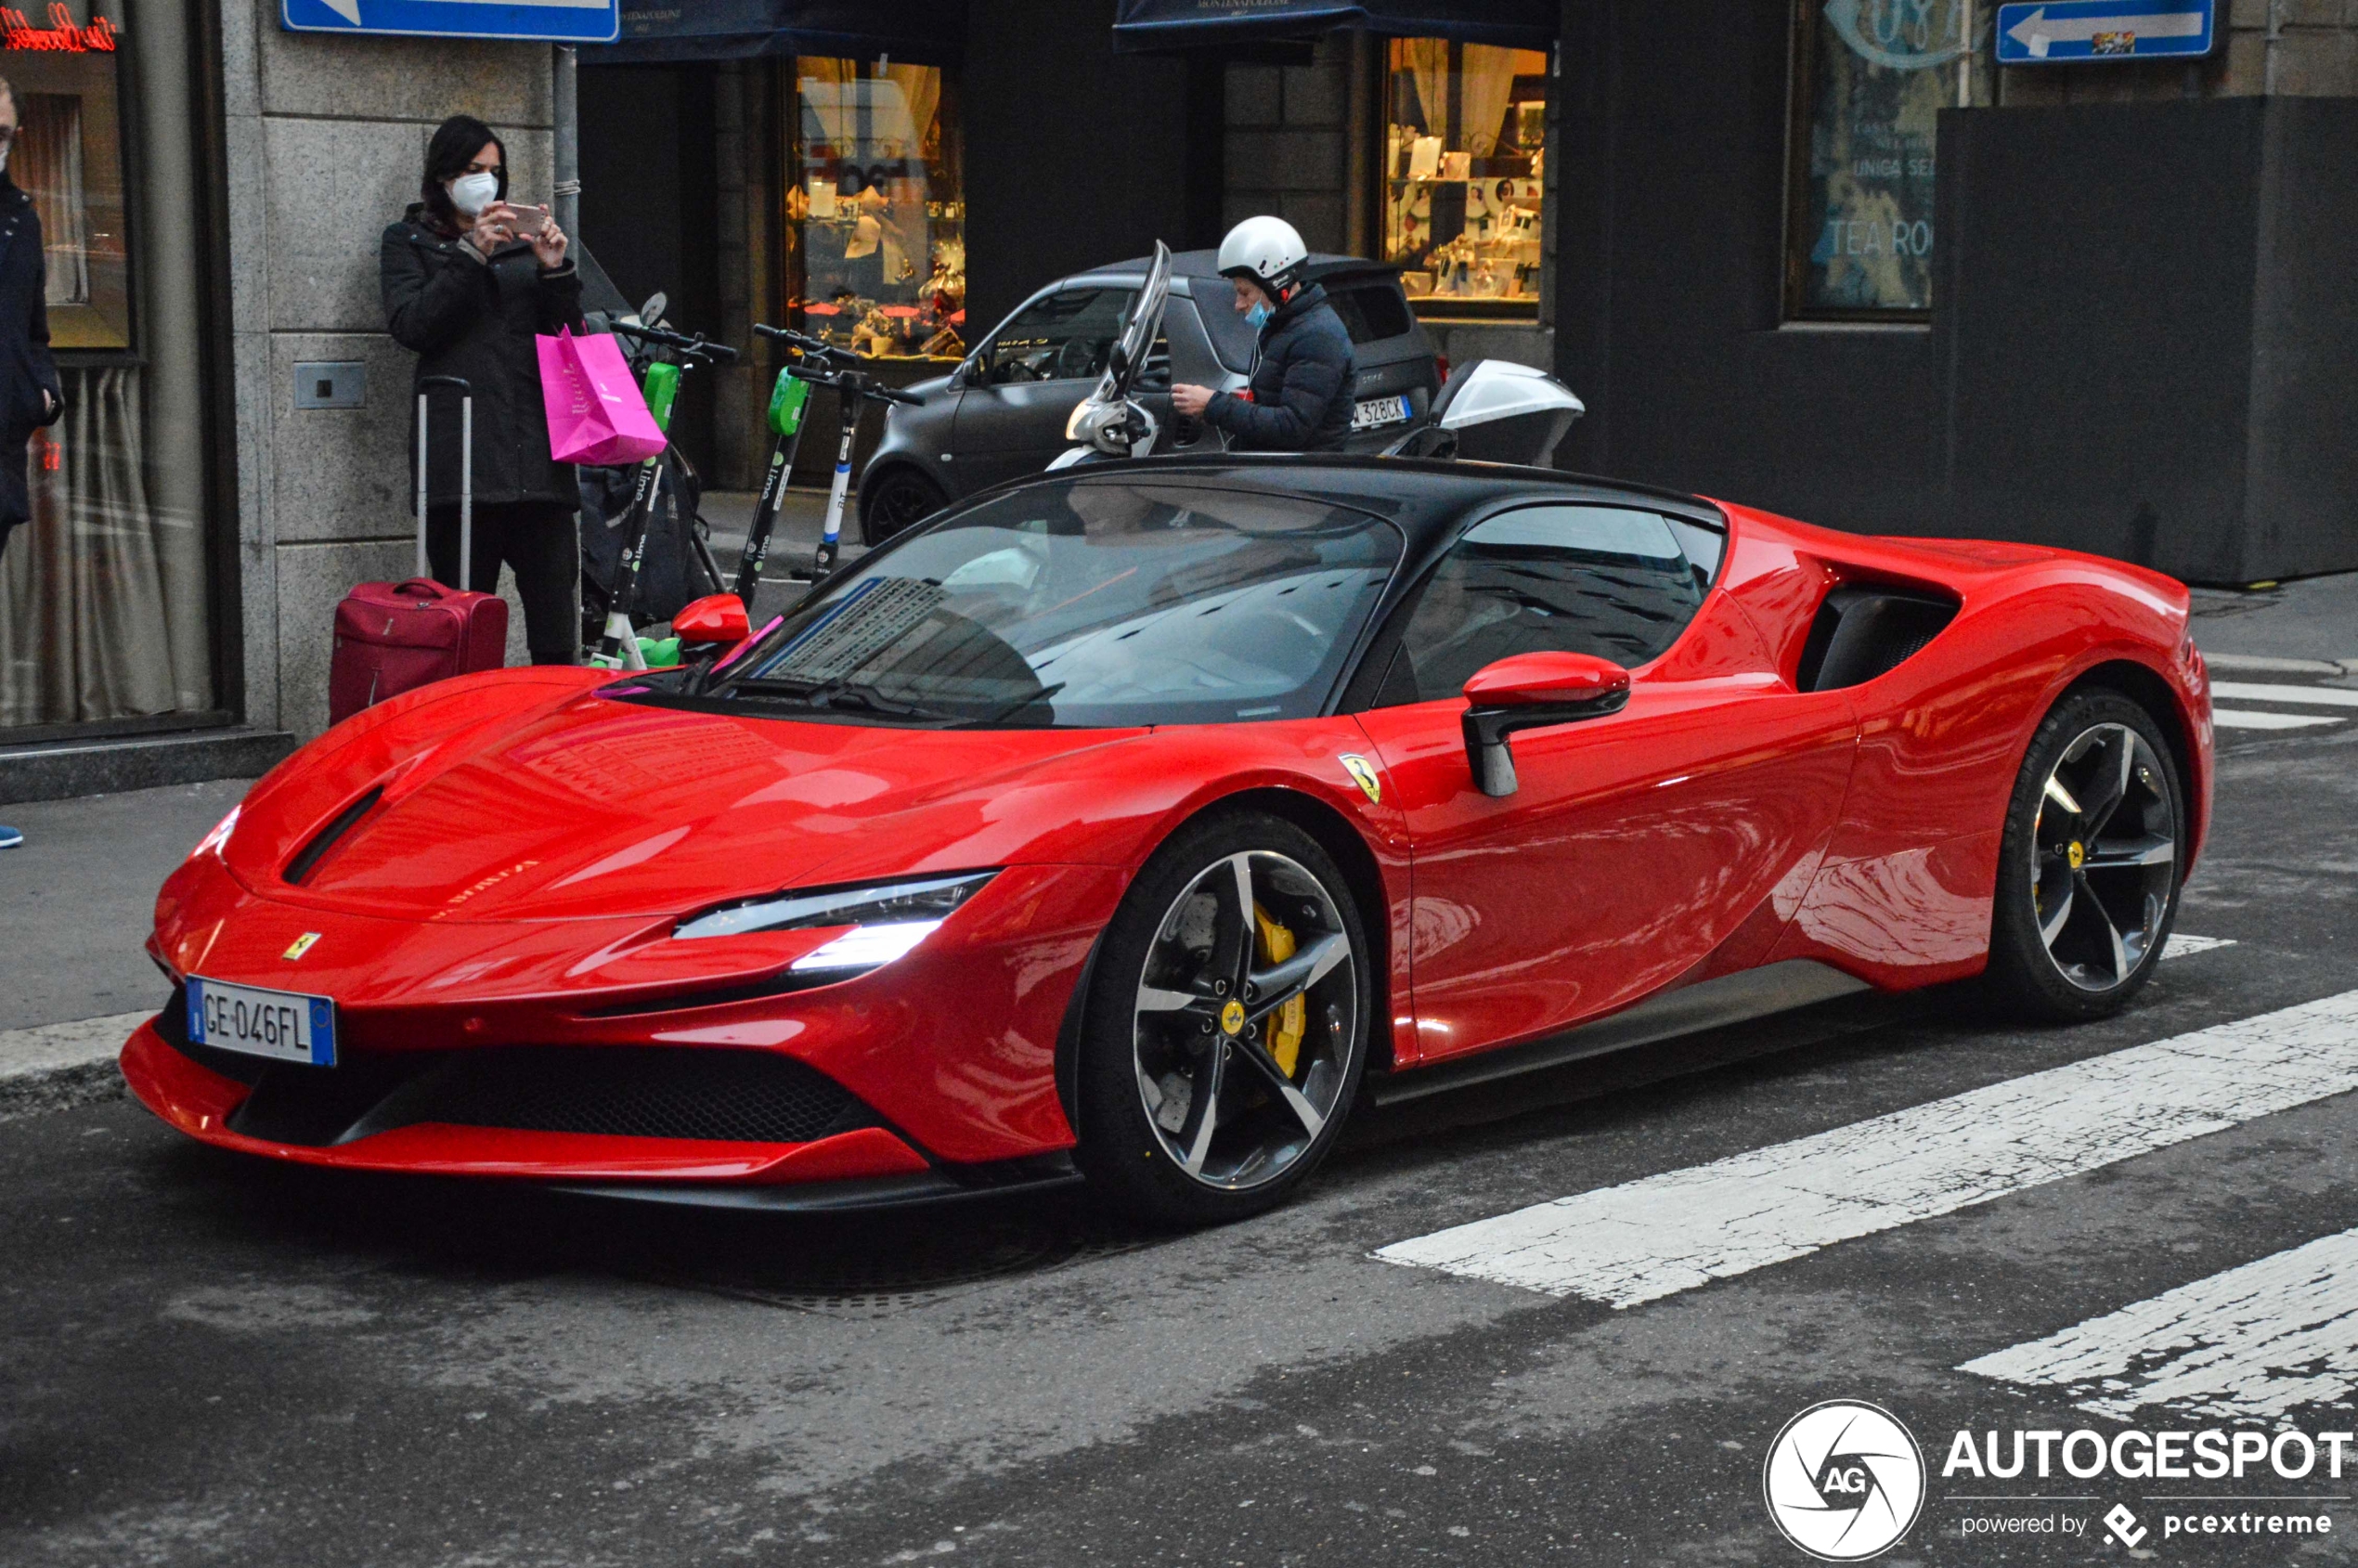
(537, 542)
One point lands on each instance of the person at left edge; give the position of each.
(467, 297)
(30, 394)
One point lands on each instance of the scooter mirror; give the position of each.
(718, 617)
(651, 313)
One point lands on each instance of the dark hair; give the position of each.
(456, 142)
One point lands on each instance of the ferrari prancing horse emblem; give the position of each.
(1363, 772)
(300, 946)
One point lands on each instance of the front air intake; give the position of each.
(307, 859)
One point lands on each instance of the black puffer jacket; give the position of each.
(1300, 385)
(467, 316)
(26, 369)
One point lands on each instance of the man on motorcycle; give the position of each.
(1299, 399)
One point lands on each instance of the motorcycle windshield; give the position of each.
(1139, 332)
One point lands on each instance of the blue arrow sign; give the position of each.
(555, 22)
(2067, 32)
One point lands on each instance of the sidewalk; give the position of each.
(74, 980)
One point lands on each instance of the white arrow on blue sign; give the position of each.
(2068, 31)
(556, 21)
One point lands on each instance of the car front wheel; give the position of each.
(1227, 1026)
(895, 502)
(2092, 861)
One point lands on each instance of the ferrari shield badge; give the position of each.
(1362, 774)
(300, 946)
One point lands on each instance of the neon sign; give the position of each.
(63, 35)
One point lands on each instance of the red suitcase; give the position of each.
(392, 637)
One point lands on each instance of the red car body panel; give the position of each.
(518, 874)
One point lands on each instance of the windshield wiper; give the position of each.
(835, 693)
(1017, 706)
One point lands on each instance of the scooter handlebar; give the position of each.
(701, 347)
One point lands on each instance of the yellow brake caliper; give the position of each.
(1274, 943)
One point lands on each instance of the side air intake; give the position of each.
(1864, 630)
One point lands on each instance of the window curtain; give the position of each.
(1485, 86)
(1427, 62)
(47, 162)
(102, 595)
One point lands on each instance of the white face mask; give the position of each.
(471, 193)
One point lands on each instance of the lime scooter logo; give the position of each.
(1844, 1481)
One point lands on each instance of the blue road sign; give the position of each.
(556, 21)
(2068, 31)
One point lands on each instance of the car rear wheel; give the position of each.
(2091, 863)
(1227, 1026)
(895, 502)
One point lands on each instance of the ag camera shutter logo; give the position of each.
(1844, 1481)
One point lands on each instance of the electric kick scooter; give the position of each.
(822, 364)
(619, 645)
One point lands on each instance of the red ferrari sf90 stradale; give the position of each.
(1131, 824)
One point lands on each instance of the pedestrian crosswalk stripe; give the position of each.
(2275, 692)
(1659, 1234)
(2238, 719)
(2249, 1345)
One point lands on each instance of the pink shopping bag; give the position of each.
(596, 415)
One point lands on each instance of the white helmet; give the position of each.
(1267, 250)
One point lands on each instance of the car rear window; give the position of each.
(1372, 311)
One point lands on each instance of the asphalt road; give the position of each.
(206, 1359)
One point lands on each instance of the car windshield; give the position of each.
(1090, 603)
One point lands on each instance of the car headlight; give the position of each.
(887, 918)
(217, 841)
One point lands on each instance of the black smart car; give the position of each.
(1002, 412)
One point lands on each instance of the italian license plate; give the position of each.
(1370, 412)
(283, 1025)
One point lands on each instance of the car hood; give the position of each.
(590, 806)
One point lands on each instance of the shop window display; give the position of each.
(105, 600)
(874, 217)
(1464, 165)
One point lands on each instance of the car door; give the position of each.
(1674, 837)
(1020, 387)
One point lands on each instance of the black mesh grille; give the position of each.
(740, 1095)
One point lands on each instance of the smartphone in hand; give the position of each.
(526, 222)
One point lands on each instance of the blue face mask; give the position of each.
(1259, 315)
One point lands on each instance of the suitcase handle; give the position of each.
(466, 392)
(422, 587)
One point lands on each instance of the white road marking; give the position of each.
(2181, 945)
(2282, 666)
(2249, 1345)
(2275, 692)
(2238, 719)
(1652, 1238)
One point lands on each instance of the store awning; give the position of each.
(1191, 24)
(664, 31)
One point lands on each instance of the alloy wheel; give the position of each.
(2103, 857)
(1243, 1022)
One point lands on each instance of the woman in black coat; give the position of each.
(467, 297)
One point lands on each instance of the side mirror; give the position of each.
(1531, 691)
(718, 617)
